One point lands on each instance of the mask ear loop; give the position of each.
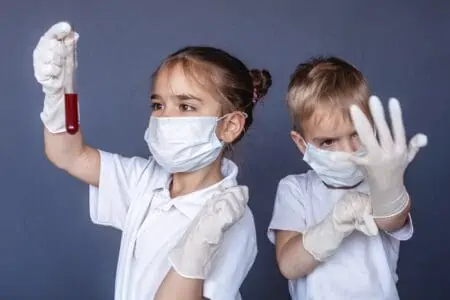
(227, 147)
(240, 112)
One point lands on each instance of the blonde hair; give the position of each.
(326, 82)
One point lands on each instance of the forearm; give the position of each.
(395, 222)
(293, 260)
(70, 153)
(177, 287)
(62, 148)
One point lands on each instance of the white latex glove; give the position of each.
(54, 61)
(192, 257)
(386, 161)
(351, 212)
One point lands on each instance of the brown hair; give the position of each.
(226, 76)
(326, 82)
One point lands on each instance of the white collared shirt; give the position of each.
(133, 197)
(363, 268)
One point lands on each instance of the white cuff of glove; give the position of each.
(191, 261)
(54, 113)
(391, 208)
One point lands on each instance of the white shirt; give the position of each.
(363, 268)
(133, 197)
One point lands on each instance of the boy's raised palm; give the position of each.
(386, 159)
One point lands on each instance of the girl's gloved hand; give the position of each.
(193, 256)
(53, 62)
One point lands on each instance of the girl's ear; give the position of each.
(231, 126)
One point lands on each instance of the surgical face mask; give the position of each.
(336, 173)
(183, 144)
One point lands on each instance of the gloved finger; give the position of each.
(371, 227)
(50, 86)
(418, 141)
(236, 205)
(50, 52)
(398, 127)
(351, 157)
(58, 31)
(210, 227)
(47, 71)
(379, 118)
(51, 70)
(71, 40)
(364, 129)
(224, 213)
(360, 203)
(49, 57)
(240, 193)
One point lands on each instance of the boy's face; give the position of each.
(327, 130)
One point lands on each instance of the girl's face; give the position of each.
(175, 95)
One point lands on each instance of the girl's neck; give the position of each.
(185, 183)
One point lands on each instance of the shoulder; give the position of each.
(298, 184)
(131, 169)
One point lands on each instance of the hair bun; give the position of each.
(262, 80)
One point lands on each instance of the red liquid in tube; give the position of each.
(72, 122)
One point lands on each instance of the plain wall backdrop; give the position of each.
(49, 249)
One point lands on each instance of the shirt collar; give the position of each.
(191, 204)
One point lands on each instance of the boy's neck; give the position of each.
(185, 183)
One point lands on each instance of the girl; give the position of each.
(187, 232)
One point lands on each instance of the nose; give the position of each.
(170, 110)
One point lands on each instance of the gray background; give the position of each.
(50, 250)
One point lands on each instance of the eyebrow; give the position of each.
(155, 96)
(188, 97)
(180, 97)
(333, 138)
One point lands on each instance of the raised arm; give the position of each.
(54, 62)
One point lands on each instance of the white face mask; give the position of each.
(332, 172)
(183, 144)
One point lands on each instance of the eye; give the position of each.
(355, 137)
(156, 106)
(186, 108)
(327, 143)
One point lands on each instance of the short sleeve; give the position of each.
(289, 211)
(233, 262)
(404, 233)
(119, 177)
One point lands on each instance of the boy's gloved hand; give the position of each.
(386, 160)
(53, 53)
(192, 257)
(352, 211)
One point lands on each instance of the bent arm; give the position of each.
(292, 258)
(177, 287)
(70, 153)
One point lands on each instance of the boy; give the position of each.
(332, 241)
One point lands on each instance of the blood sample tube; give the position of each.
(72, 122)
(70, 96)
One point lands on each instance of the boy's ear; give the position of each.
(299, 141)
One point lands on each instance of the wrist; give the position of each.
(323, 239)
(388, 205)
